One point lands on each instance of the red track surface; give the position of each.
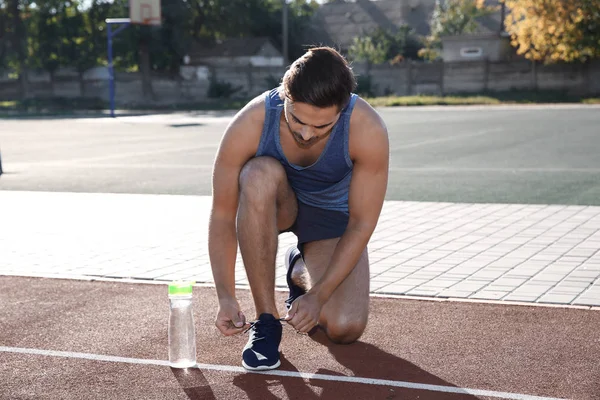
(540, 351)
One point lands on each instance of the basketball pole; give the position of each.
(124, 22)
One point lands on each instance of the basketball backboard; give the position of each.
(145, 12)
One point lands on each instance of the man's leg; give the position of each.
(267, 205)
(344, 317)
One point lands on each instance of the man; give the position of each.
(309, 157)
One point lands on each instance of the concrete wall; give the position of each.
(268, 50)
(255, 61)
(411, 78)
(491, 47)
(266, 56)
(408, 78)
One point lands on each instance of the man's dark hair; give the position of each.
(321, 77)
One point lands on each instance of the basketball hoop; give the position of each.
(145, 12)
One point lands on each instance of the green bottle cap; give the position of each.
(178, 288)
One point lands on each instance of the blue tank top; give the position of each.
(324, 184)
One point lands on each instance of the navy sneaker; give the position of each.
(262, 350)
(291, 257)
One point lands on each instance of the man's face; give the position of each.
(309, 124)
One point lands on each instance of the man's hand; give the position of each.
(230, 320)
(305, 312)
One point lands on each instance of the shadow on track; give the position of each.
(364, 360)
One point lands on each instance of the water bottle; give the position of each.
(182, 335)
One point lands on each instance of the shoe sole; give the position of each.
(287, 257)
(262, 367)
(289, 281)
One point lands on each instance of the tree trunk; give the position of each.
(52, 78)
(534, 75)
(587, 82)
(19, 41)
(409, 80)
(486, 74)
(144, 54)
(81, 84)
(442, 84)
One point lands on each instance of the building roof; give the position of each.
(337, 23)
(234, 47)
(491, 23)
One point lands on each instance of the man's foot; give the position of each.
(262, 350)
(291, 257)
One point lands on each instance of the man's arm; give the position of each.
(238, 145)
(369, 149)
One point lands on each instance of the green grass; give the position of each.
(8, 104)
(592, 100)
(395, 101)
(491, 98)
(87, 104)
(52, 104)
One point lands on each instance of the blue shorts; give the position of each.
(313, 223)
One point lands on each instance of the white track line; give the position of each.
(289, 374)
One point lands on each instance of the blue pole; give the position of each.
(111, 73)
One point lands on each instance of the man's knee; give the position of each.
(345, 330)
(260, 177)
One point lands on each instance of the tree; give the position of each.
(86, 47)
(456, 17)
(13, 43)
(4, 40)
(300, 14)
(453, 17)
(247, 18)
(51, 34)
(46, 37)
(385, 46)
(174, 37)
(65, 34)
(552, 31)
(365, 48)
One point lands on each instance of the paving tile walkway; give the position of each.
(504, 252)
